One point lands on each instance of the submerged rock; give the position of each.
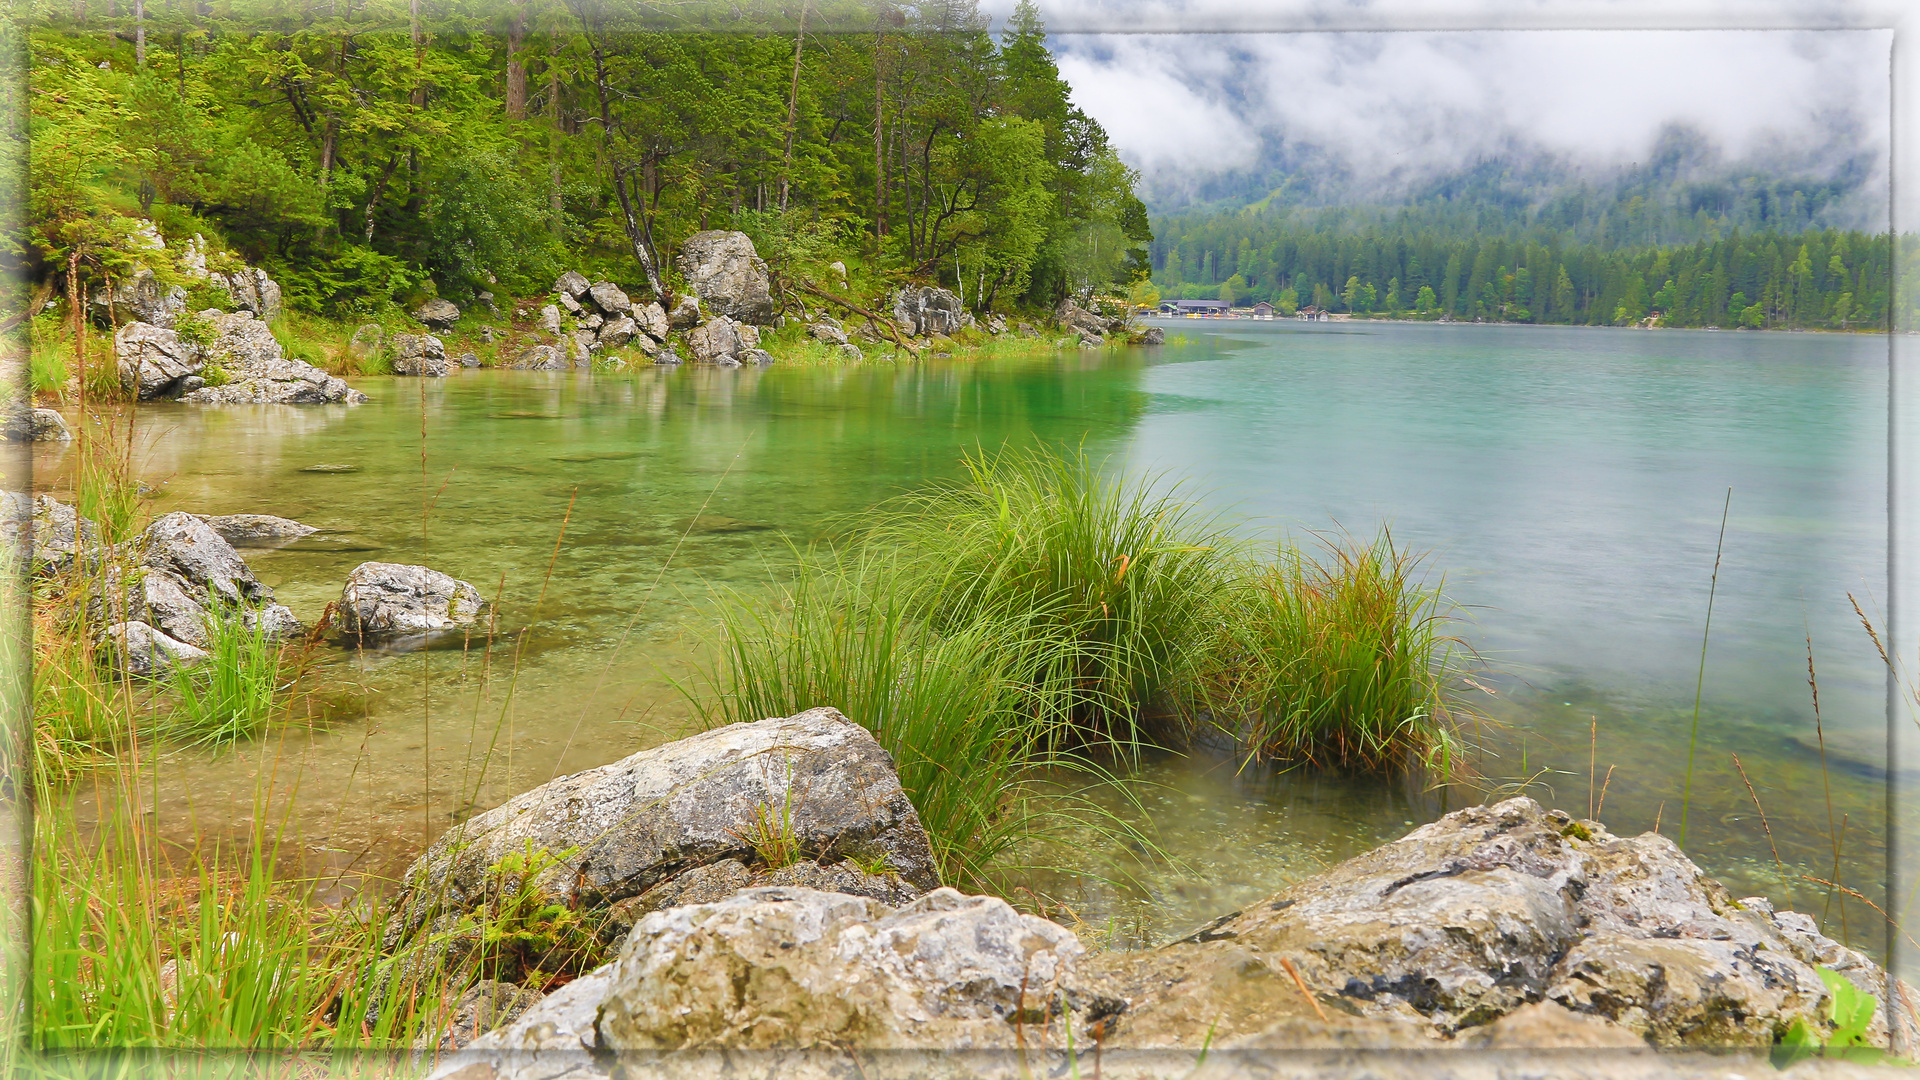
(256, 529)
(663, 812)
(728, 276)
(383, 599)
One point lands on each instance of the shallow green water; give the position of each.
(1568, 483)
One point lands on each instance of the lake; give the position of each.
(1567, 484)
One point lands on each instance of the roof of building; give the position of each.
(1200, 303)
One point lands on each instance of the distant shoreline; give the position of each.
(1181, 319)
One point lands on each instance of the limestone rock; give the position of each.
(550, 320)
(182, 544)
(823, 331)
(154, 362)
(140, 298)
(437, 314)
(667, 355)
(278, 621)
(246, 351)
(419, 354)
(945, 971)
(382, 599)
(609, 298)
(141, 650)
(924, 311)
(24, 423)
(720, 339)
(1152, 335)
(60, 535)
(756, 356)
(850, 352)
(685, 314)
(570, 306)
(592, 321)
(252, 291)
(553, 1040)
(485, 1006)
(716, 881)
(996, 325)
(651, 319)
(617, 332)
(661, 812)
(571, 285)
(256, 530)
(730, 279)
(467, 359)
(539, 358)
(161, 599)
(581, 345)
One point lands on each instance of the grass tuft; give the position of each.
(236, 690)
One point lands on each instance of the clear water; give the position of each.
(1568, 484)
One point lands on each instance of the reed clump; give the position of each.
(1040, 617)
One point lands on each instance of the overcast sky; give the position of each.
(1423, 101)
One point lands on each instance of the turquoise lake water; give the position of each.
(1568, 484)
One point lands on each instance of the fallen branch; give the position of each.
(876, 321)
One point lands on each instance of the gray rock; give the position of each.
(924, 311)
(668, 355)
(721, 339)
(685, 314)
(139, 649)
(486, 335)
(437, 314)
(1152, 335)
(539, 358)
(849, 351)
(251, 290)
(256, 530)
(550, 320)
(646, 345)
(827, 332)
(716, 881)
(184, 545)
(581, 345)
(945, 971)
(140, 298)
(996, 325)
(23, 423)
(652, 319)
(278, 619)
(419, 354)
(554, 1040)
(467, 359)
(153, 361)
(1072, 316)
(727, 275)
(571, 285)
(366, 341)
(617, 332)
(382, 599)
(246, 351)
(161, 599)
(756, 356)
(609, 298)
(485, 1006)
(839, 270)
(592, 321)
(1027, 330)
(661, 812)
(60, 535)
(1091, 341)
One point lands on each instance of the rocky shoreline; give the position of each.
(1507, 927)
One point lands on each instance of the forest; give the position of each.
(1816, 279)
(377, 152)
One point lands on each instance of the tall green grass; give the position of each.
(1124, 577)
(968, 713)
(1339, 661)
(234, 692)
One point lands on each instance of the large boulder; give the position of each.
(387, 599)
(21, 422)
(538, 358)
(660, 813)
(616, 332)
(924, 311)
(721, 340)
(609, 298)
(252, 291)
(1072, 316)
(155, 362)
(1493, 908)
(257, 372)
(652, 319)
(437, 314)
(572, 285)
(419, 354)
(946, 971)
(727, 275)
(140, 298)
(141, 650)
(61, 536)
(184, 545)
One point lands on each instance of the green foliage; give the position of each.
(1340, 662)
(236, 690)
(480, 218)
(195, 329)
(526, 936)
(355, 280)
(1850, 1011)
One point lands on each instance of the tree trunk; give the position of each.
(419, 53)
(140, 33)
(793, 108)
(517, 67)
(879, 145)
(639, 231)
(555, 204)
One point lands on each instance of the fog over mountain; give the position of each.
(1750, 127)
